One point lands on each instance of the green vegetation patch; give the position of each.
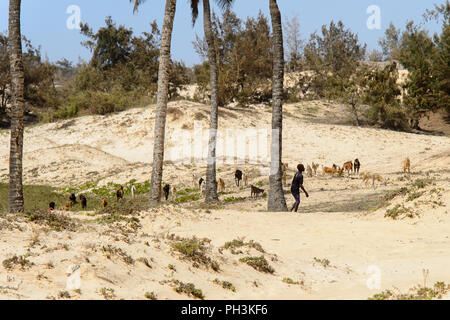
(258, 263)
(195, 251)
(439, 290)
(188, 289)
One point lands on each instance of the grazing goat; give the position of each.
(315, 167)
(406, 165)
(284, 177)
(195, 178)
(221, 185)
(119, 193)
(73, 198)
(104, 203)
(245, 179)
(332, 171)
(255, 191)
(166, 190)
(309, 171)
(201, 185)
(374, 177)
(357, 166)
(174, 192)
(238, 177)
(327, 170)
(348, 167)
(83, 201)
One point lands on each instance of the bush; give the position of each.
(194, 250)
(258, 263)
(189, 289)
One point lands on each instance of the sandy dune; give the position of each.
(340, 222)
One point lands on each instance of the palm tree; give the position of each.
(276, 200)
(211, 186)
(15, 197)
(162, 98)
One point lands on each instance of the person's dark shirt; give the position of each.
(297, 182)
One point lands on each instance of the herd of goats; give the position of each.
(242, 177)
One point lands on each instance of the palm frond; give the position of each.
(223, 4)
(137, 3)
(194, 10)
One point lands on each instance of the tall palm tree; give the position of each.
(211, 186)
(15, 197)
(162, 98)
(276, 200)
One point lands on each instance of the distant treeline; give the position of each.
(123, 70)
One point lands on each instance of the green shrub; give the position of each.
(195, 250)
(258, 263)
(189, 289)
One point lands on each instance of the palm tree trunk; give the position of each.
(276, 200)
(15, 197)
(161, 104)
(211, 186)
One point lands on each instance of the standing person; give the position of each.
(297, 183)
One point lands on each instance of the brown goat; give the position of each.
(348, 167)
(245, 178)
(407, 165)
(315, 167)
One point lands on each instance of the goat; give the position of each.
(245, 179)
(407, 165)
(174, 192)
(166, 190)
(221, 185)
(348, 166)
(255, 191)
(315, 167)
(119, 193)
(327, 170)
(104, 203)
(284, 177)
(201, 185)
(83, 201)
(238, 177)
(357, 166)
(133, 191)
(73, 198)
(195, 178)
(309, 171)
(374, 177)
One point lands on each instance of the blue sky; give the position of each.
(44, 21)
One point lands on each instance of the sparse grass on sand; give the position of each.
(258, 263)
(188, 289)
(416, 293)
(195, 250)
